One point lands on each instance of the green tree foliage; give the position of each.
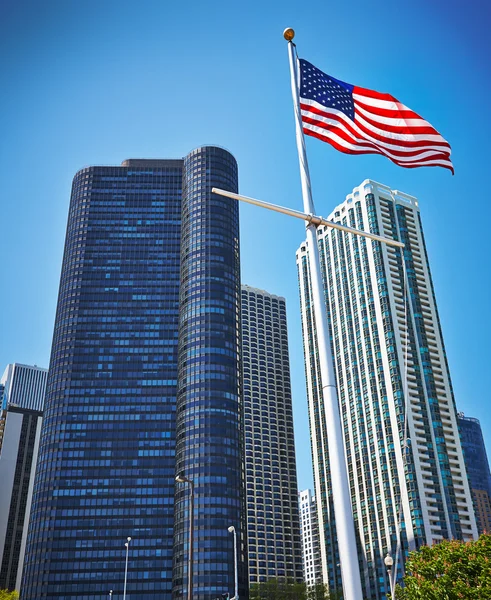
(6, 595)
(277, 589)
(281, 589)
(320, 591)
(450, 570)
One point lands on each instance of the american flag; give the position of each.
(359, 121)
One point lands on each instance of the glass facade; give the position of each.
(21, 436)
(22, 393)
(107, 461)
(405, 463)
(209, 406)
(476, 462)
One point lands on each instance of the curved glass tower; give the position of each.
(107, 459)
(209, 407)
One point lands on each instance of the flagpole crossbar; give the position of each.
(309, 217)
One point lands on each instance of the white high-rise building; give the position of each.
(309, 527)
(410, 492)
(24, 386)
(22, 391)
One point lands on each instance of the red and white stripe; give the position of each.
(382, 125)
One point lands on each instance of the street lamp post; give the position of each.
(127, 544)
(236, 560)
(110, 594)
(184, 479)
(389, 563)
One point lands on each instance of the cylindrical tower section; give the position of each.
(209, 398)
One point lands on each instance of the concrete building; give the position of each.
(144, 385)
(22, 398)
(476, 461)
(272, 507)
(309, 524)
(405, 462)
(24, 386)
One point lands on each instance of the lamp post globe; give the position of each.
(389, 563)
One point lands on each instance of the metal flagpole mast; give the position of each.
(348, 555)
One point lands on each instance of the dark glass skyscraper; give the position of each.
(476, 462)
(145, 325)
(209, 406)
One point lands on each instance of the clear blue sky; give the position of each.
(96, 82)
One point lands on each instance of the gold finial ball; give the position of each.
(288, 34)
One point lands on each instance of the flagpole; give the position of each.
(345, 528)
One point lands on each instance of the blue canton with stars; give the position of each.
(324, 89)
